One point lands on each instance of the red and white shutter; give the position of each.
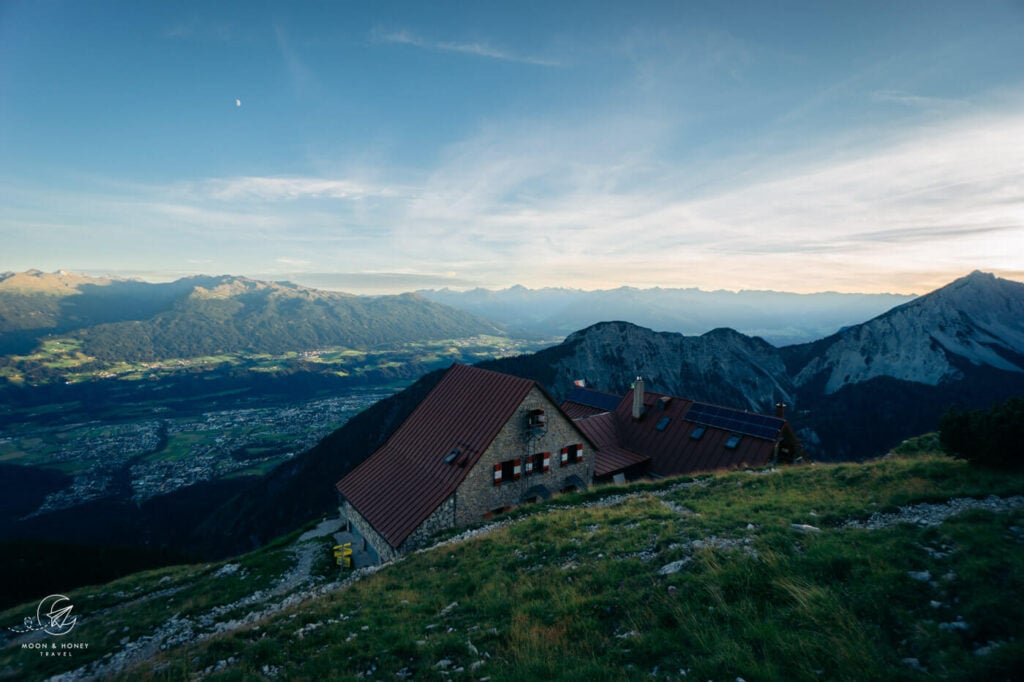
(517, 468)
(545, 463)
(565, 456)
(529, 465)
(579, 452)
(497, 474)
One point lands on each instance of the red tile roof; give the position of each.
(609, 457)
(672, 449)
(407, 479)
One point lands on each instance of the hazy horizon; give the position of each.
(374, 285)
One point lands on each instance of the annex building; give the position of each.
(671, 436)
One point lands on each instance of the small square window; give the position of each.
(697, 433)
(662, 423)
(572, 454)
(732, 442)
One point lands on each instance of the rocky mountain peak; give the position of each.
(976, 320)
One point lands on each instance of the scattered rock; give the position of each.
(805, 528)
(920, 576)
(674, 567)
(227, 569)
(958, 625)
(987, 649)
(933, 514)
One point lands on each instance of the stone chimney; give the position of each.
(780, 410)
(638, 398)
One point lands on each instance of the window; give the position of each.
(733, 441)
(572, 454)
(697, 433)
(508, 471)
(539, 463)
(535, 419)
(662, 423)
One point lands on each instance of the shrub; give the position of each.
(991, 438)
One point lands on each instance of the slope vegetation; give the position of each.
(908, 568)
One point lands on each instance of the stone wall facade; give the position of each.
(478, 496)
(375, 542)
(443, 518)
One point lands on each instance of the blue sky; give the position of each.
(801, 146)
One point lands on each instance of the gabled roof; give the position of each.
(668, 432)
(403, 482)
(602, 430)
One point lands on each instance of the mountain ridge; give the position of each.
(129, 320)
(782, 318)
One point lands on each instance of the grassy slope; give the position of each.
(573, 591)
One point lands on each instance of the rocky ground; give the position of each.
(299, 583)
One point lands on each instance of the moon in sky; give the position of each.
(238, 102)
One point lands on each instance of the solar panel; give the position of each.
(748, 423)
(595, 399)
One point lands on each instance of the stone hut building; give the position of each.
(653, 434)
(478, 444)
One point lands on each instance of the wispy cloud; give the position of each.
(288, 188)
(474, 48)
(948, 197)
(587, 204)
(914, 100)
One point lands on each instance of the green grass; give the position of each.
(572, 590)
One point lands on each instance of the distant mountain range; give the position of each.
(852, 395)
(778, 317)
(126, 320)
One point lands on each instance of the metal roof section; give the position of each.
(738, 421)
(609, 456)
(694, 436)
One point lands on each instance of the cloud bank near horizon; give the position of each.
(543, 207)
